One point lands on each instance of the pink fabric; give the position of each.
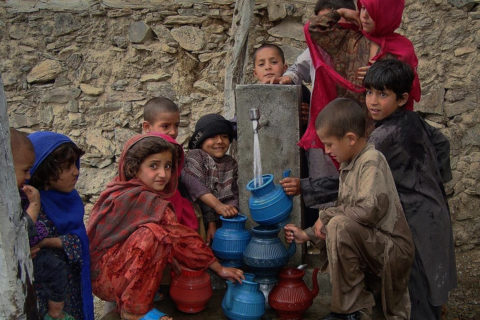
(387, 15)
(324, 91)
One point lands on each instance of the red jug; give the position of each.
(191, 290)
(290, 298)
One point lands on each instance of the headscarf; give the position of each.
(183, 207)
(65, 210)
(209, 126)
(387, 15)
(109, 222)
(324, 90)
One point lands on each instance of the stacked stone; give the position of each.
(85, 69)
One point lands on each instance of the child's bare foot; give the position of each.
(151, 315)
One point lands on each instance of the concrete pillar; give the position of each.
(279, 115)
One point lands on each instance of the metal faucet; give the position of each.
(254, 114)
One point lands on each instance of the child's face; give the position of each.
(341, 149)
(22, 164)
(382, 103)
(216, 146)
(156, 170)
(368, 25)
(165, 123)
(66, 180)
(268, 64)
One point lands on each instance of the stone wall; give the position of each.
(86, 67)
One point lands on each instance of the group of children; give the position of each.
(376, 172)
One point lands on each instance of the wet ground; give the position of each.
(214, 310)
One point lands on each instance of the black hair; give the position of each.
(333, 4)
(269, 45)
(50, 169)
(144, 148)
(391, 74)
(158, 105)
(342, 115)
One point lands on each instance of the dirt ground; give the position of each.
(464, 302)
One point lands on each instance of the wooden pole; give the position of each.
(238, 58)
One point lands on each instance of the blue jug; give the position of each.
(265, 254)
(268, 203)
(230, 241)
(243, 301)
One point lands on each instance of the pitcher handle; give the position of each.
(286, 173)
(229, 295)
(292, 249)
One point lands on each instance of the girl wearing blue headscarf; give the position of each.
(61, 259)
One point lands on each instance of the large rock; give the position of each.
(288, 29)
(469, 103)
(139, 32)
(65, 23)
(91, 90)
(276, 10)
(205, 86)
(45, 71)
(291, 53)
(92, 181)
(60, 95)
(190, 38)
(184, 20)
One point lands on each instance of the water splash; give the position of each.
(257, 158)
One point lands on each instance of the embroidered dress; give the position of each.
(133, 235)
(62, 214)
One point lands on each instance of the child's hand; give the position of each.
(350, 15)
(319, 229)
(292, 232)
(210, 232)
(33, 251)
(226, 210)
(32, 194)
(232, 274)
(34, 202)
(291, 186)
(362, 71)
(280, 80)
(304, 112)
(50, 243)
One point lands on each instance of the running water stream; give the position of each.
(257, 158)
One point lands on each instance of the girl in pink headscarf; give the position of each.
(379, 19)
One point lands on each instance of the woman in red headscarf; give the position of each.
(340, 40)
(134, 233)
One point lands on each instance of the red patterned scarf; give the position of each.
(126, 205)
